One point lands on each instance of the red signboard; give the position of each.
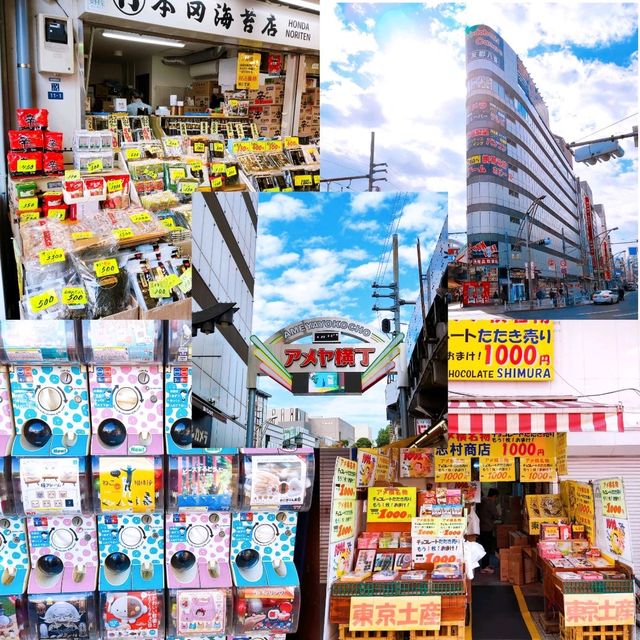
(476, 293)
(589, 225)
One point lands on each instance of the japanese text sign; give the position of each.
(436, 550)
(497, 470)
(495, 445)
(500, 350)
(391, 504)
(394, 613)
(612, 495)
(367, 464)
(587, 609)
(453, 469)
(537, 470)
(248, 72)
(430, 526)
(343, 504)
(416, 463)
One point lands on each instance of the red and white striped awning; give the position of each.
(532, 416)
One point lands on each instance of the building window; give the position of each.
(513, 193)
(514, 220)
(513, 168)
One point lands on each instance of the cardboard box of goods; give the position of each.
(504, 565)
(516, 566)
(518, 539)
(172, 311)
(502, 534)
(202, 87)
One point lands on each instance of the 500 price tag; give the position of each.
(72, 296)
(43, 301)
(107, 267)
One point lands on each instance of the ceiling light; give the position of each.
(304, 4)
(136, 37)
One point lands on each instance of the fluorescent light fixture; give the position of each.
(136, 37)
(304, 4)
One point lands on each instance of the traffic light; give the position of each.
(386, 325)
(598, 151)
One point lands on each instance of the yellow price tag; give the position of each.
(72, 174)
(291, 141)
(303, 181)
(27, 204)
(159, 290)
(287, 189)
(176, 173)
(26, 166)
(51, 256)
(216, 183)
(81, 235)
(233, 103)
(274, 145)
(133, 154)
(152, 175)
(244, 146)
(43, 300)
(196, 165)
(123, 234)
(107, 267)
(272, 190)
(218, 168)
(141, 217)
(172, 142)
(185, 281)
(258, 146)
(171, 280)
(198, 147)
(316, 179)
(187, 188)
(169, 223)
(28, 216)
(115, 185)
(60, 214)
(74, 296)
(231, 171)
(93, 166)
(218, 146)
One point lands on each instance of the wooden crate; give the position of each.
(595, 632)
(347, 634)
(339, 610)
(448, 631)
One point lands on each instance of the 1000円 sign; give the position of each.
(500, 350)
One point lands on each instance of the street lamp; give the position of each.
(528, 217)
(600, 266)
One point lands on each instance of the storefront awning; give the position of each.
(532, 416)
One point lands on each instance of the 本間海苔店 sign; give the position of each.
(389, 613)
(391, 504)
(500, 350)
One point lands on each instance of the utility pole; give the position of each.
(371, 177)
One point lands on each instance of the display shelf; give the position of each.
(348, 634)
(449, 631)
(596, 632)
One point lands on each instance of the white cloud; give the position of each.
(281, 207)
(366, 271)
(363, 202)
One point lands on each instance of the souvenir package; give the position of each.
(200, 613)
(63, 617)
(93, 161)
(386, 575)
(24, 163)
(159, 200)
(55, 299)
(266, 609)
(45, 248)
(155, 283)
(172, 146)
(53, 162)
(117, 196)
(366, 559)
(26, 140)
(53, 141)
(32, 118)
(130, 615)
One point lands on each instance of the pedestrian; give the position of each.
(554, 297)
(539, 296)
(488, 514)
(620, 293)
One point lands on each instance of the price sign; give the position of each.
(72, 174)
(107, 267)
(303, 181)
(218, 146)
(231, 171)
(453, 469)
(26, 166)
(93, 166)
(43, 300)
(74, 296)
(218, 168)
(171, 281)
(144, 216)
(169, 223)
(159, 290)
(59, 214)
(115, 185)
(51, 256)
(291, 141)
(391, 504)
(316, 179)
(176, 174)
(132, 154)
(286, 189)
(497, 470)
(28, 216)
(216, 183)
(271, 190)
(187, 188)
(274, 145)
(258, 146)
(172, 142)
(198, 147)
(27, 204)
(185, 281)
(241, 147)
(196, 165)
(81, 235)
(537, 470)
(123, 234)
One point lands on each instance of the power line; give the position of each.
(608, 126)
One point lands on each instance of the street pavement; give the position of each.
(627, 309)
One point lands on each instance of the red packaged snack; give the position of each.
(94, 186)
(53, 199)
(26, 140)
(53, 140)
(117, 192)
(32, 118)
(53, 162)
(24, 163)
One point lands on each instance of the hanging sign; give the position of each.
(453, 469)
(367, 464)
(537, 470)
(391, 504)
(416, 463)
(497, 470)
(561, 454)
(395, 613)
(613, 528)
(495, 445)
(343, 504)
(248, 71)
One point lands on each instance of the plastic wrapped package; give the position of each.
(53, 162)
(279, 160)
(199, 145)
(200, 613)
(174, 171)
(131, 614)
(53, 140)
(94, 141)
(172, 146)
(93, 162)
(154, 283)
(117, 192)
(45, 248)
(64, 617)
(146, 170)
(216, 148)
(61, 299)
(160, 200)
(26, 140)
(24, 163)
(32, 118)
(198, 169)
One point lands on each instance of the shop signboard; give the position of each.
(497, 470)
(578, 501)
(537, 469)
(248, 71)
(613, 528)
(367, 464)
(394, 613)
(484, 44)
(561, 454)
(450, 469)
(495, 445)
(490, 165)
(269, 24)
(416, 463)
(590, 609)
(476, 292)
(391, 504)
(501, 351)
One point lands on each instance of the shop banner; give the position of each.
(590, 609)
(537, 470)
(453, 469)
(429, 526)
(544, 508)
(416, 463)
(578, 501)
(343, 503)
(367, 463)
(395, 613)
(497, 470)
(501, 350)
(561, 454)
(256, 21)
(612, 496)
(496, 445)
(383, 468)
(248, 71)
(613, 529)
(391, 504)
(436, 550)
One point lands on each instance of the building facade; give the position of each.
(298, 425)
(224, 250)
(522, 196)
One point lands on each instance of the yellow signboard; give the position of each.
(496, 445)
(539, 469)
(544, 508)
(497, 470)
(248, 71)
(501, 350)
(561, 454)
(613, 502)
(590, 609)
(343, 505)
(391, 504)
(453, 469)
(395, 613)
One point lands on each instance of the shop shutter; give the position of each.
(327, 468)
(592, 468)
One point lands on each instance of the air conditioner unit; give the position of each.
(204, 69)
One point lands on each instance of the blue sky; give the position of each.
(399, 69)
(318, 254)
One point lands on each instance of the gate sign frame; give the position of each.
(326, 356)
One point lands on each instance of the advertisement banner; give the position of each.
(502, 350)
(497, 470)
(416, 463)
(391, 504)
(367, 463)
(561, 454)
(612, 496)
(537, 470)
(453, 469)
(484, 44)
(341, 555)
(248, 71)
(613, 529)
(394, 613)
(587, 609)
(578, 501)
(343, 503)
(383, 468)
(495, 445)
(435, 550)
(544, 508)
(429, 526)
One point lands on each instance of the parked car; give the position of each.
(605, 296)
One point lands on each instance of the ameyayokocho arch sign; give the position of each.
(325, 356)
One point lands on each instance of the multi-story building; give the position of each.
(297, 424)
(522, 196)
(224, 249)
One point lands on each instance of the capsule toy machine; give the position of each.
(49, 389)
(126, 386)
(177, 391)
(275, 486)
(202, 492)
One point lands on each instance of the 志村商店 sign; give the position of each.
(500, 350)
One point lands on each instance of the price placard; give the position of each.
(316, 179)
(303, 181)
(159, 290)
(497, 470)
(199, 147)
(94, 166)
(196, 165)
(27, 204)
(108, 267)
(218, 167)
(185, 281)
(172, 142)
(74, 296)
(72, 174)
(51, 256)
(187, 188)
(29, 216)
(144, 216)
(26, 166)
(171, 280)
(240, 147)
(115, 185)
(537, 470)
(132, 154)
(123, 234)
(216, 183)
(258, 146)
(274, 145)
(453, 469)
(291, 141)
(43, 300)
(271, 190)
(176, 173)
(231, 171)
(59, 214)
(81, 235)
(218, 146)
